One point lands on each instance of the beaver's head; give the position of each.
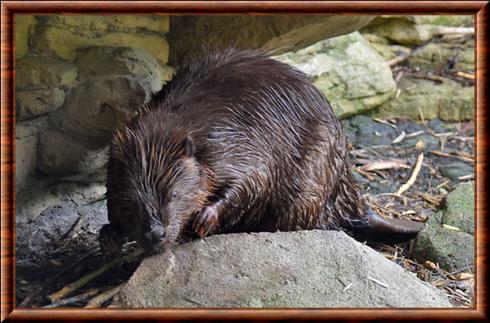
(161, 184)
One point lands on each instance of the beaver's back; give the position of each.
(264, 130)
(248, 111)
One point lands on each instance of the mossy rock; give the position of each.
(451, 247)
(437, 56)
(351, 74)
(426, 99)
(445, 20)
(413, 30)
(460, 210)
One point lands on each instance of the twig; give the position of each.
(412, 178)
(415, 134)
(398, 60)
(445, 30)
(399, 138)
(435, 201)
(192, 301)
(442, 154)
(378, 282)
(465, 75)
(443, 134)
(443, 184)
(365, 174)
(346, 288)
(74, 300)
(421, 115)
(385, 122)
(465, 177)
(450, 227)
(100, 299)
(92, 275)
(384, 164)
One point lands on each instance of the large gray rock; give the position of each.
(352, 75)
(282, 269)
(62, 155)
(278, 34)
(94, 110)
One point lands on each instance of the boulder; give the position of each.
(440, 55)
(308, 269)
(44, 72)
(95, 109)
(400, 30)
(448, 235)
(34, 103)
(102, 62)
(278, 34)
(425, 98)
(456, 169)
(413, 30)
(351, 74)
(61, 155)
(460, 207)
(384, 47)
(443, 20)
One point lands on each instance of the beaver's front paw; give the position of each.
(110, 242)
(206, 221)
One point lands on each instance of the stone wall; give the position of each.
(78, 77)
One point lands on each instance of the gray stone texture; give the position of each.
(311, 269)
(451, 247)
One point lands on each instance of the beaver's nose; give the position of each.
(157, 234)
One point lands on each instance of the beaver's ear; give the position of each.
(189, 148)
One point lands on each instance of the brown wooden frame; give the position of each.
(10, 8)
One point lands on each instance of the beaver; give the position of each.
(236, 142)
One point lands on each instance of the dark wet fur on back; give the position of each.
(241, 131)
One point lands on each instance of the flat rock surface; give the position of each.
(282, 269)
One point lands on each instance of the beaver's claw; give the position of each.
(206, 221)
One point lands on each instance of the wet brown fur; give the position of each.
(267, 151)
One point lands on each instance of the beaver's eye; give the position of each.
(174, 195)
